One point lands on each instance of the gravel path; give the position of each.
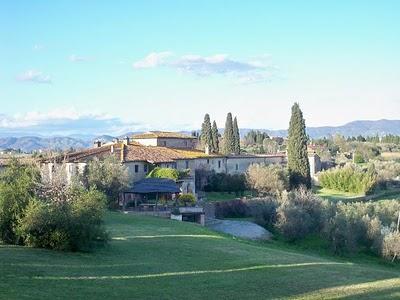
(241, 229)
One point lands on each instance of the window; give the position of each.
(187, 164)
(208, 161)
(237, 167)
(186, 143)
(164, 143)
(219, 164)
(145, 168)
(136, 168)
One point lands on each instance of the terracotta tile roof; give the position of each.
(160, 154)
(162, 134)
(132, 152)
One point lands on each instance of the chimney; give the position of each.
(207, 149)
(112, 148)
(126, 140)
(122, 152)
(97, 144)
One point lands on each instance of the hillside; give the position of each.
(355, 128)
(153, 258)
(31, 143)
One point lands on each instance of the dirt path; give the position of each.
(241, 229)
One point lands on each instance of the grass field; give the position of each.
(390, 194)
(223, 196)
(151, 258)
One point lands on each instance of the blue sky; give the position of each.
(135, 65)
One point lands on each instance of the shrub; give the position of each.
(358, 158)
(267, 179)
(164, 173)
(186, 200)
(300, 214)
(74, 225)
(348, 179)
(108, 176)
(221, 182)
(231, 209)
(18, 185)
(391, 246)
(264, 211)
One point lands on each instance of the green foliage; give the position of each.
(215, 137)
(206, 133)
(75, 225)
(236, 137)
(267, 179)
(170, 173)
(18, 185)
(228, 140)
(358, 158)
(298, 164)
(348, 179)
(255, 137)
(391, 246)
(186, 200)
(221, 182)
(264, 211)
(108, 176)
(300, 214)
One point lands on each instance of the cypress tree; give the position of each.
(214, 134)
(298, 164)
(236, 137)
(206, 135)
(228, 136)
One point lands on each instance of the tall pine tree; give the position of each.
(228, 141)
(298, 164)
(206, 134)
(214, 134)
(236, 137)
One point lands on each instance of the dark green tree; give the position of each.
(228, 146)
(236, 137)
(298, 164)
(215, 135)
(206, 134)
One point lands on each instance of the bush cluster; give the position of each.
(267, 179)
(73, 225)
(49, 215)
(170, 173)
(186, 200)
(346, 227)
(349, 178)
(221, 182)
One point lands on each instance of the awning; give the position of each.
(154, 185)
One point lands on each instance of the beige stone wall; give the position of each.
(146, 142)
(168, 142)
(137, 170)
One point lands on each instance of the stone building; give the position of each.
(161, 149)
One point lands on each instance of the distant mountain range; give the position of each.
(32, 143)
(355, 128)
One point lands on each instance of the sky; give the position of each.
(70, 67)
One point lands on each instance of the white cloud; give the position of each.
(152, 60)
(38, 47)
(64, 121)
(245, 71)
(78, 58)
(34, 76)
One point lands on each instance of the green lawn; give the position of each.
(151, 258)
(223, 196)
(333, 195)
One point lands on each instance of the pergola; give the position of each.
(153, 186)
